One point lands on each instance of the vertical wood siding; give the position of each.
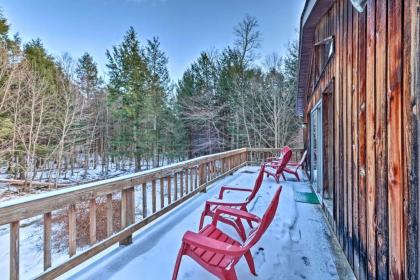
(370, 73)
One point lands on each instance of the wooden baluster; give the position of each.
(202, 174)
(14, 250)
(176, 187)
(162, 193)
(92, 221)
(207, 172)
(223, 166)
(154, 196)
(186, 182)
(47, 240)
(72, 229)
(144, 198)
(181, 183)
(191, 180)
(109, 214)
(123, 209)
(169, 189)
(196, 177)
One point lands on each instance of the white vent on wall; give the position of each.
(360, 5)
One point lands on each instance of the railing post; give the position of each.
(196, 177)
(153, 196)
(144, 200)
(72, 229)
(181, 184)
(191, 180)
(203, 176)
(109, 214)
(14, 250)
(169, 189)
(162, 192)
(176, 187)
(92, 221)
(127, 212)
(47, 240)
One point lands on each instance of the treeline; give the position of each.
(59, 119)
(226, 101)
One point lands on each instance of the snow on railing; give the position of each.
(156, 191)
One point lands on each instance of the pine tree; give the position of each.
(87, 75)
(158, 80)
(127, 92)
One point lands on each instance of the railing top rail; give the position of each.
(271, 149)
(26, 207)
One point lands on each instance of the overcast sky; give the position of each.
(184, 27)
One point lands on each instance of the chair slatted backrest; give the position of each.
(286, 158)
(257, 184)
(266, 220)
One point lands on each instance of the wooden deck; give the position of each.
(298, 244)
(141, 198)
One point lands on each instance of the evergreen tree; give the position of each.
(158, 80)
(87, 75)
(127, 92)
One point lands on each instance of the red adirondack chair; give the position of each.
(293, 167)
(276, 169)
(217, 252)
(211, 205)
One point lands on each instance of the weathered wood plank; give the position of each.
(14, 251)
(153, 196)
(191, 179)
(169, 187)
(144, 200)
(370, 140)
(72, 231)
(355, 145)
(348, 160)
(176, 187)
(92, 221)
(413, 241)
(186, 181)
(47, 241)
(381, 171)
(395, 147)
(181, 185)
(362, 145)
(162, 192)
(407, 126)
(127, 212)
(109, 221)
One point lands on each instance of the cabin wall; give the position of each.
(371, 76)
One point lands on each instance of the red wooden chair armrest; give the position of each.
(274, 164)
(209, 244)
(271, 158)
(236, 213)
(288, 170)
(223, 203)
(224, 188)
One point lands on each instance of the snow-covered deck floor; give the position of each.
(298, 244)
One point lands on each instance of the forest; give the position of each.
(62, 123)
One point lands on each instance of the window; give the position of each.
(359, 5)
(324, 50)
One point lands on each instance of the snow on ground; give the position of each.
(297, 245)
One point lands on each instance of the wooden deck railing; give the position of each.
(164, 188)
